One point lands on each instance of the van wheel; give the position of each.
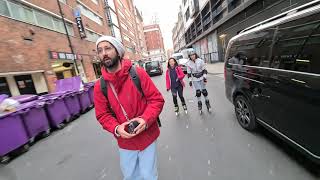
(244, 113)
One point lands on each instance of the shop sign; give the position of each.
(63, 55)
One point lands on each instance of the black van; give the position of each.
(272, 76)
(153, 68)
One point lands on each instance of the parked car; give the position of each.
(181, 61)
(272, 76)
(153, 67)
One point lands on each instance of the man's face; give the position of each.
(108, 54)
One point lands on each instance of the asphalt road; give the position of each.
(191, 147)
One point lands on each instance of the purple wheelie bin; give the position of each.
(3, 97)
(72, 102)
(90, 86)
(56, 109)
(35, 119)
(13, 135)
(25, 98)
(84, 100)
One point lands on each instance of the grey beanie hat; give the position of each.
(115, 42)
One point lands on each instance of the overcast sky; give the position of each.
(167, 13)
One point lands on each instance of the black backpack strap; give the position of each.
(134, 76)
(103, 86)
(104, 90)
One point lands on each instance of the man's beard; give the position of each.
(109, 64)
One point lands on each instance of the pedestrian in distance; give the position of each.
(128, 104)
(197, 75)
(175, 83)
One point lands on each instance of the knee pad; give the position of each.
(198, 93)
(204, 92)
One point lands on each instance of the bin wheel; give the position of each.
(31, 141)
(25, 148)
(45, 134)
(4, 159)
(61, 126)
(68, 119)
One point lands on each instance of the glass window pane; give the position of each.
(117, 33)
(70, 29)
(111, 4)
(114, 18)
(16, 11)
(58, 25)
(44, 20)
(4, 8)
(28, 15)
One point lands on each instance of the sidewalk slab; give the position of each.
(215, 68)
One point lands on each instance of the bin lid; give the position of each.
(25, 98)
(3, 97)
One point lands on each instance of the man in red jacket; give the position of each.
(138, 159)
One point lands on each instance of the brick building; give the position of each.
(34, 46)
(141, 41)
(126, 20)
(154, 41)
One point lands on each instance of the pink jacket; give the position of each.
(180, 75)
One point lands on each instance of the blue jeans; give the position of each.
(139, 165)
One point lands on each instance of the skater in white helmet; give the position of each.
(197, 75)
(174, 82)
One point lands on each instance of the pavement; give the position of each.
(216, 68)
(191, 147)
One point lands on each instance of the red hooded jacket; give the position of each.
(148, 107)
(180, 75)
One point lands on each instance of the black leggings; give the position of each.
(179, 91)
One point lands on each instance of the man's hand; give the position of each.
(122, 132)
(190, 83)
(141, 127)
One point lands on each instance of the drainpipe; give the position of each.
(68, 37)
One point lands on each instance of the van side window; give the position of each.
(296, 45)
(254, 48)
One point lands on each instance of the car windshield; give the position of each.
(152, 64)
(178, 57)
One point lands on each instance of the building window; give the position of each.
(187, 14)
(110, 3)
(44, 20)
(32, 16)
(4, 10)
(95, 1)
(114, 18)
(89, 14)
(22, 13)
(124, 26)
(63, 1)
(121, 14)
(120, 3)
(130, 49)
(117, 33)
(127, 13)
(126, 38)
(92, 36)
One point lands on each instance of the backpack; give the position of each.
(134, 76)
